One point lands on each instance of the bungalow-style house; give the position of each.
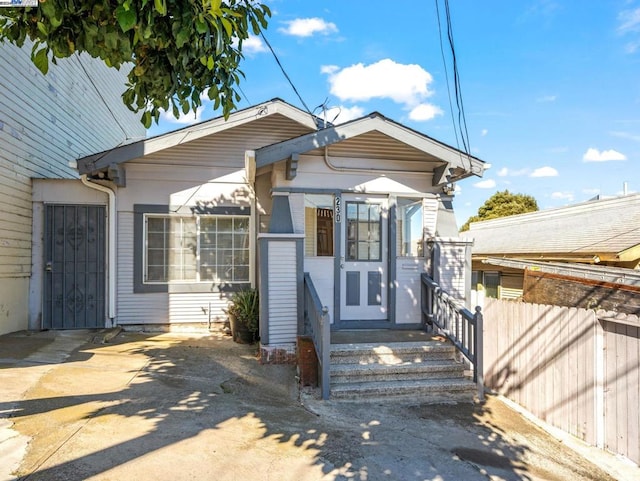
(260, 199)
(584, 255)
(46, 122)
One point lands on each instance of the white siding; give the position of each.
(283, 298)
(408, 289)
(296, 203)
(314, 173)
(321, 270)
(45, 122)
(430, 217)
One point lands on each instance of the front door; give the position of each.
(74, 279)
(363, 266)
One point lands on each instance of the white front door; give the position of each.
(363, 266)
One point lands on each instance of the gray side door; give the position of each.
(74, 278)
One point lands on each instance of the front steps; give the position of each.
(424, 371)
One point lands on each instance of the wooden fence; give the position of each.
(568, 367)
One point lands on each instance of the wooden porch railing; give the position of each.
(462, 327)
(317, 325)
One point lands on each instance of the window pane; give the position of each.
(192, 249)
(410, 227)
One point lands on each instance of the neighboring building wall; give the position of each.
(46, 122)
(559, 290)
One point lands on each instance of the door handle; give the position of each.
(342, 262)
(49, 267)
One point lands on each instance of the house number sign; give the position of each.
(338, 210)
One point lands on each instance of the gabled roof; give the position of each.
(450, 164)
(605, 230)
(110, 158)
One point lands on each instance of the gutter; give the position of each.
(111, 245)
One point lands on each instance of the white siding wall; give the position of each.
(321, 270)
(45, 122)
(296, 203)
(283, 298)
(207, 172)
(430, 217)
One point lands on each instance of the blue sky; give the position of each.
(551, 89)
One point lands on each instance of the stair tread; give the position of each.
(390, 347)
(456, 384)
(407, 366)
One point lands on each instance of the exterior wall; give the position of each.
(208, 172)
(45, 122)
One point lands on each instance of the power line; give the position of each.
(461, 125)
(104, 101)
(285, 73)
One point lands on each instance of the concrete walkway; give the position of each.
(187, 407)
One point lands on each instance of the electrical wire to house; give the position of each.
(459, 124)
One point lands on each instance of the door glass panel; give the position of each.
(363, 232)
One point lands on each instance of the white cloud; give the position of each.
(184, 119)
(629, 25)
(424, 112)
(626, 135)
(629, 21)
(594, 155)
(340, 115)
(562, 196)
(329, 69)
(485, 184)
(484, 132)
(306, 27)
(547, 98)
(253, 45)
(544, 172)
(404, 84)
(505, 172)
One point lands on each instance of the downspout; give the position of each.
(111, 245)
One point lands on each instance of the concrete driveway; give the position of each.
(189, 407)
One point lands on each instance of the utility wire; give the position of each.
(104, 101)
(460, 127)
(285, 73)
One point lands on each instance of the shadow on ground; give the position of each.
(170, 407)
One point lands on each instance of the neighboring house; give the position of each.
(259, 199)
(46, 122)
(584, 255)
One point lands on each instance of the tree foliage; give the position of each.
(179, 49)
(502, 204)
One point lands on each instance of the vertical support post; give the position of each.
(479, 352)
(326, 352)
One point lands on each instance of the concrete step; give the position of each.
(426, 390)
(390, 353)
(433, 369)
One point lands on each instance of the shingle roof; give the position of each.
(605, 227)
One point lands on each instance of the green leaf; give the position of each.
(41, 60)
(228, 26)
(146, 119)
(182, 37)
(210, 62)
(161, 6)
(43, 29)
(126, 18)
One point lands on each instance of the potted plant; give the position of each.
(243, 314)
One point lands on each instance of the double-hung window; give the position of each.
(192, 249)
